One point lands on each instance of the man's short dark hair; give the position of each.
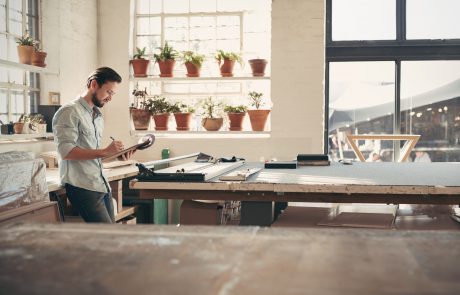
(103, 75)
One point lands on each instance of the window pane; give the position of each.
(12, 50)
(16, 76)
(363, 20)
(150, 42)
(433, 19)
(33, 80)
(2, 15)
(148, 26)
(15, 17)
(176, 6)
(32, 27)
(3, 46)
(34, 99)
(430, 107)
(17, 102)
(149, 6)
(233, 5)
(3, 102)
(361, 101)
(202, 5)
(3, 75)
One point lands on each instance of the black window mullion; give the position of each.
(397, 112)
(328, 22)
(401, 21)
(326, 110)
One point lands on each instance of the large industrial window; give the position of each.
(393, 67)
(19, 89)
(204, 26)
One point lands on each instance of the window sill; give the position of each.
(22, 137)
(202, 134)
(29, 68)
(199, 79)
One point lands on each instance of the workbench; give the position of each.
(385, 182)
(361, 182)
(147, 259)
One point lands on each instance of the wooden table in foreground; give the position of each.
(116, 259)
(385, 182)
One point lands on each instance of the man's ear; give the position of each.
(93, 86)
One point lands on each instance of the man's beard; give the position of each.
(96, 102)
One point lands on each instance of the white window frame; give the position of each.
(11, 86)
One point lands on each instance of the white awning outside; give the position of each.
(354, 105)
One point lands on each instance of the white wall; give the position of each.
(70, 36)
(297, 67)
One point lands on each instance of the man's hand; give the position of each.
(114, 147)
(126, 156)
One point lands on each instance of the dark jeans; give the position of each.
(92, 206)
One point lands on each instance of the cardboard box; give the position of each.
(199, 213)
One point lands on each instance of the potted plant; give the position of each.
(27, 124)
(258, 67)
(257, 116)
(183, 115)
(139, 63)
(193, 62)
(19, 125)
(226, 62)
(160, 108)
(212, 121)
(40, 122)
(139, 111)
(38, 56)
(25, 48)
(166, 60)
(236, 116)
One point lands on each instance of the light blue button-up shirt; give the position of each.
(76, 124)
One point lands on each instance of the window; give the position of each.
(401, 75)
(204, 26)
(19, 89)
(371, 20)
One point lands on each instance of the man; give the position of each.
(77, 128)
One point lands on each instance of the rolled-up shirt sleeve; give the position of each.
(65, 130)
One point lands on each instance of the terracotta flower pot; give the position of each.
(192, 70)
(140, 67)
(166, 67)
(258, 119)
(38, 58)
(226, 68)
(236, 121)
(141, 118)
(25, 54)
(18, 127)
(212, 124)
(258, 67)
(161, 121)
(183, 121)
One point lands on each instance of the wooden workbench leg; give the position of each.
(256, 213)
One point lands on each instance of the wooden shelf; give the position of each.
(198, 79)
(29, 68)
(9, 137)
(202, 134)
